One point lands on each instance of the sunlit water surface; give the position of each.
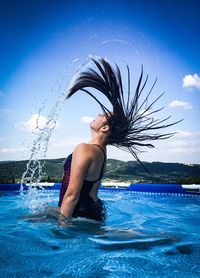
(144, 236)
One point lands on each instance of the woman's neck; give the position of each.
(98, 141)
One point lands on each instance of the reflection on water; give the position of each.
(155, 237)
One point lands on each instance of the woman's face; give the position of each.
(98, 122)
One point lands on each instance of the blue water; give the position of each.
(144, 236)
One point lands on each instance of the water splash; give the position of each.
(35, 165)
(36, 162)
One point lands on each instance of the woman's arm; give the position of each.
(81, 160)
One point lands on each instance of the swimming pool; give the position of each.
(145, 235)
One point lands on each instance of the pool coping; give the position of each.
(135, 187)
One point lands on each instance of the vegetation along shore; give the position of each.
(116, 170)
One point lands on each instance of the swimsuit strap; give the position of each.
(102, 169)
(101, 149)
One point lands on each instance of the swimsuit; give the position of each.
(86, 206)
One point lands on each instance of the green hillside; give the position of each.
(159, 172)
(132, 171)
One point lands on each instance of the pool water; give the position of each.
(145, 235)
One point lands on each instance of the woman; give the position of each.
(83, 171)
(131, 126)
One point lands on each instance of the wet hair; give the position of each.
(132, 121)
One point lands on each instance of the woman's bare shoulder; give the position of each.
(83, 148)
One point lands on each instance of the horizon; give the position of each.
(49, 41)
(58, 158)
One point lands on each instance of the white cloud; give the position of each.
(12, 150)
(86, 119)
(75, 60)
(184, 147)
(69, 142)
(184, 134)
(191, 81)
(145, 114)
(4, 111)
(178, 143)
(184, 142)
(180, 104)
(36, 123)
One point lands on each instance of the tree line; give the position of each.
(131, 171)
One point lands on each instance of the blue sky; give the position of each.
(44, 42)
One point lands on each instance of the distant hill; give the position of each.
(12, 170)
(159, 172)
(132, 171)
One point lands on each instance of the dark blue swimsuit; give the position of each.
(86, 206)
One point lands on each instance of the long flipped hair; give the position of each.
(132, 121)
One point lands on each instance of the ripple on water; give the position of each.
(144, 236)
(183, 259)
